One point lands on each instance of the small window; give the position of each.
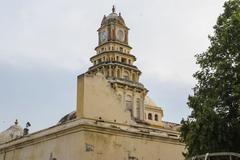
(117, 58)
(121, 49)
(156, 117)
(150, 116)
(118, 73)
(124, 60)
(133, 77)
(113, 73)
(129, 61)
(126, 75)
(138, 108)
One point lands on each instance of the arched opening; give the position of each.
(120, 97)
(138, 108)
(118, 73)
(107, 73)
(129, 104)
(133, 77)
(126, 75)
(150, 116)
(156, 117)
(123, 60)
(113, 73)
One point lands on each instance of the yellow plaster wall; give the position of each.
(94, 143)
(115, 147)
(96, 98)
(68, 147)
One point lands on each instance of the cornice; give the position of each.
(114, 63)
(118, 52)
(90, 125)
(116, 42)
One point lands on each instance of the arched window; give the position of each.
(129, 104)
(113, 73)
(133, 77)
(138, 108)
(156, 117)
(150, 116)
(119, 97)
(107, 73)
(126, 75)
(118, 73)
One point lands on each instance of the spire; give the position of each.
(113, 9)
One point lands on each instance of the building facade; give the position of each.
(114, 117)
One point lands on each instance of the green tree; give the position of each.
(214, 124)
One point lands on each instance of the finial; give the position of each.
(119, 14)
(16, 122)
(113, 9)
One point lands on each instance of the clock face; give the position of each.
(120, 35)
(103, 36)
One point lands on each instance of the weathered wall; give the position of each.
(96, 98)
(91, 142)
(106, 147)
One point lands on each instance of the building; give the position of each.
(114, 117)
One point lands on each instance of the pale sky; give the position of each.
(45, 44)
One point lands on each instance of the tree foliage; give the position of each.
(214, 124)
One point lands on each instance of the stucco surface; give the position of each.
(97, 99)
(87, 140)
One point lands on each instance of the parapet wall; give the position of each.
(91, 140)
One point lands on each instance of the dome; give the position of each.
(149, 102)
(13, 132)
(112, 18)
(68, 117)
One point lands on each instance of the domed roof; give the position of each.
(13, 132)
(113, 18)
(149, 102)
(68, 117)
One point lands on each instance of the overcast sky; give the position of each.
(45, 44)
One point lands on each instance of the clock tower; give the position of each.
(114, 60)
